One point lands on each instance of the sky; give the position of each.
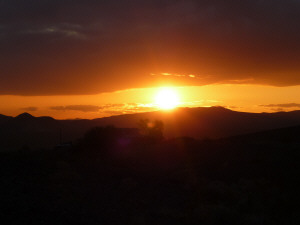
(72, 58)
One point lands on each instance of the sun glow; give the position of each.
(167, 98)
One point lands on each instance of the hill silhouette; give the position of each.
(4, 118)
(246, 179)
(24, 116)
(212, 122)
(200, 123)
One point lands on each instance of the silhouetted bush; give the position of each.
(106, 139)
(100, 138)
(151, 130)
(173, 181)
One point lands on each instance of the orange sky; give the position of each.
(251, 98)
(89, 59)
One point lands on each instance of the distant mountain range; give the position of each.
(214, 122)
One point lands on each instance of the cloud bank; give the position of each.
(87, 47)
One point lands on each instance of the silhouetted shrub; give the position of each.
(101, 137)
(106, 139)
(151, 130)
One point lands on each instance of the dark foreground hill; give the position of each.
(214, 122)
(248, 179)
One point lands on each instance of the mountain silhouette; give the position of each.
(25, 116)
(4, 118)
(213, 122)
(200, 123)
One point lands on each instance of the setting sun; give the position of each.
(167, 98)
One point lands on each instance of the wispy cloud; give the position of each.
(175, 75)
(82, 108)
(284, 105)
(30, 108)
(237, 81)
(64, 29)
(126, 108)
(113, 109)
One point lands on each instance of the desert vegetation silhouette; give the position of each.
(115, 175)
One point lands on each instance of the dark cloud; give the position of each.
(84, 47)
(107, 108)
(82, 108)
(281, 106)
(31, 108)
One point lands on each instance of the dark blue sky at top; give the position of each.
(84, 47)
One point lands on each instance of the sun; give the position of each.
(166, 98)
